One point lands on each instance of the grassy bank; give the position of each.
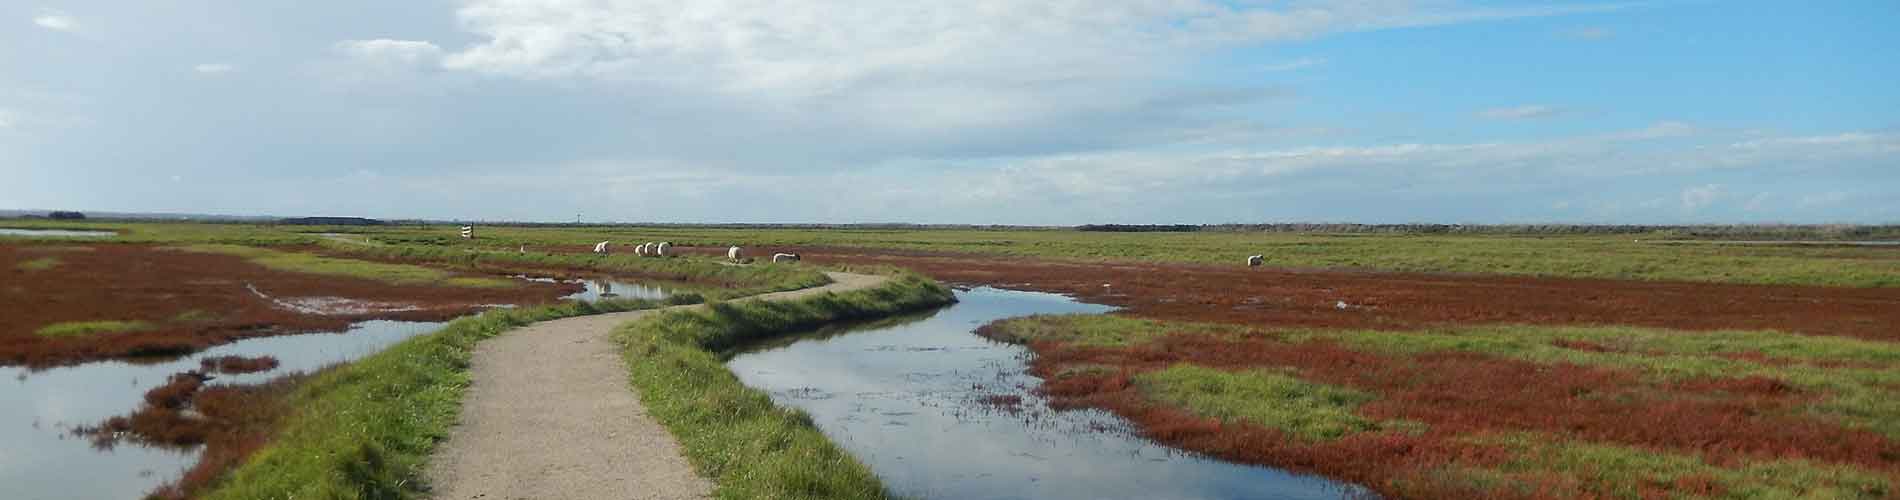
(365, 429)
(1490, 411)
(733, 434)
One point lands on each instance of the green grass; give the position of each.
(1274, 400)
(39, 264)
(307, 263)
(1590, 256)
(733, 434)
(1600, 470)
(1090, 329)
(364, 430)
(195, 316)
(89, 328)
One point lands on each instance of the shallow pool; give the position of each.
(905, 397)
(55, 233)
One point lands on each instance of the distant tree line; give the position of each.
(66, 215)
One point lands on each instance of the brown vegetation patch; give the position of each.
(196, 300)
(1280, 297)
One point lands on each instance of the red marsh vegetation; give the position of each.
(167, 302)
(1385, 300)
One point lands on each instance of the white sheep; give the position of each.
(601, 248)
(733, 254)
(1255, 260)
(784, 257)
(662, 249)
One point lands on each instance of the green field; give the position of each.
(1641, 257)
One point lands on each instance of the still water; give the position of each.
(53, 233)
(905, 399)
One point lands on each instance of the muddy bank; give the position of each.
(1277, 297)
(179, 302)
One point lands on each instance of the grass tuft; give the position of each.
(1275, 400)
(39, 264)
(89, 328)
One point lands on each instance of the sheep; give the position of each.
(662, 248)
(733, 254)
(601, 248)
(784, 257)
(1255, 260)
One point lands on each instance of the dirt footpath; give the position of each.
(549, 413)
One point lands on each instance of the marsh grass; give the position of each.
(1626, 472)
(1275, 400)
(1621, 256)
(1832, 380)
(734, 434)
(72, 329)
(399, 274)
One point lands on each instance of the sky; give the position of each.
(970, 111)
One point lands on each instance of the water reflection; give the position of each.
(903, 398)
(605, 288)
(54, 233)
(38, 409)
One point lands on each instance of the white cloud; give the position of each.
(56, 20)
(214, 68)
(1696, 197)
(387, 51)
(6, 118)
(1520, 112)
(809, 48)
(1301, 63)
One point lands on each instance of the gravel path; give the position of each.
(550, 414)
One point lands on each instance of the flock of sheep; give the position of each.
(665, 249)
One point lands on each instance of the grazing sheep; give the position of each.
(662, 248)
(733, 254)
(784, 257)
(601, 248)
(1255, 260)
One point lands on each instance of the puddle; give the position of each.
(38, 409)
(916, 400)
(55, 233)
(605, 288)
